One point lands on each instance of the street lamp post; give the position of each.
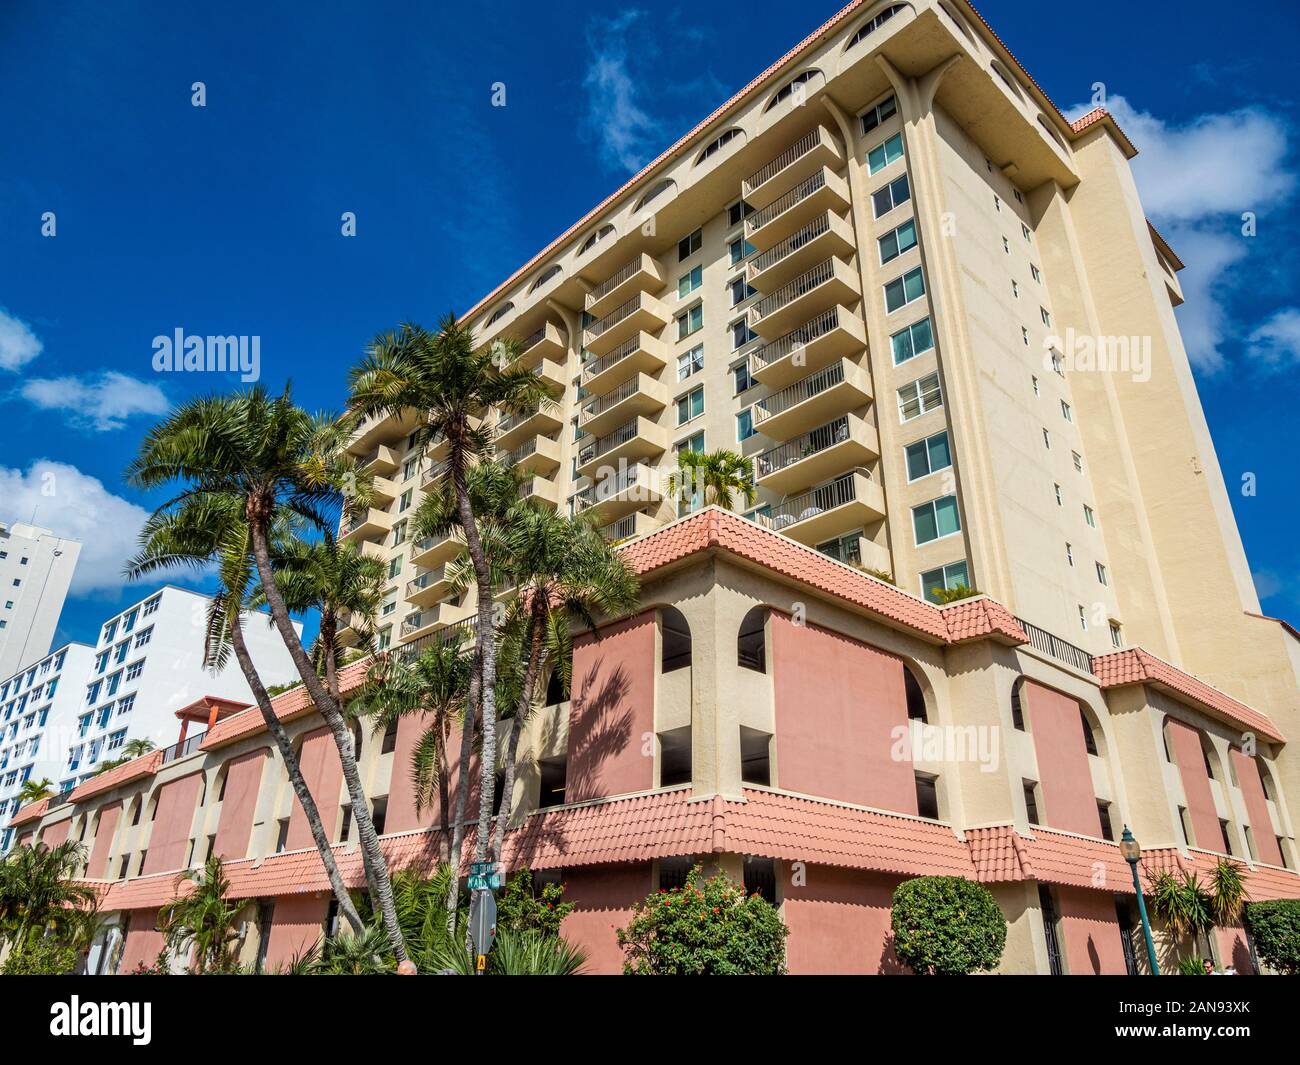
(1129, 848)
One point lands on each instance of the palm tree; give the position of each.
(35, 790)
(276, 458)
(138, 748)
(452, 384)
(204, 921)
(208, 530)
(717, 477)
(39, 892)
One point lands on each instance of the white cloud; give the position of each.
(1276, 344)
(59, 497)
(626, 134)
(1197, 179)
(18, 344)
(100, 402)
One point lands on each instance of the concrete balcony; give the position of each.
(833, 334)
(613, 497)
(641, 394)
(438, 449)
(514, 429)
(828, 284)
(433, 475)
(630, 525)
(433, 551)
(849, 502)
(422, 622)
(640, 313)
(642, 274)
(552, 375)
(638, 439)
(817, 455)
(384, 490)
(546, 343)
(365, 525)
(641, 353)
(382, 429)
(825, 236)
(539, 455)
(540, 490)
(429, 587)
(816, 149)
(823, 191)
(813, 400)
(380, 461)
(460, 631)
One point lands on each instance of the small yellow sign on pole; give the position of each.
(482, 962)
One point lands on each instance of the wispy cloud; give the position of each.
(18, 344)
(1276, 344)
(101, 402)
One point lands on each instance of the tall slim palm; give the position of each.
(212, 530)
(718, 477)
(451, 383)
(39, 891)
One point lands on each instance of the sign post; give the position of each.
(482, 926)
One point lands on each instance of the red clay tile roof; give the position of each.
(1136, 666)
(973, 619)
(144, 766)
(33, 811)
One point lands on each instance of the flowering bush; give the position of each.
(947, 926)
(521, 908)
(704, 929)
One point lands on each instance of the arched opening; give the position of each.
(915, 697)
(1089, 733)
(751, 641)
(555, 688)
(595, 238)
(663, 188)
(499, 313)
(791, 87)
(718, 143)
(874, 23)
(545, 276)
(675, 637)
(1017, 705)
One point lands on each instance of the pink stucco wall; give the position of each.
(1064, 777)
(402, 816)
(143, 941)
(55, 834)
(838, 704)
(243, 779)
(603, 897)
(1233, 950)
(296, 925)
(1252, 791)
(321, 769)
(839, 923)
(1186, 743)
(612, 709)
(1090, 929)
(97, 869)
(170, 836)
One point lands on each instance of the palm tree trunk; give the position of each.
(462, 796)
(536, 624)
(444, 799)
(341, 894)
(371, 855)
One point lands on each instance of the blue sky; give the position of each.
(225, 219)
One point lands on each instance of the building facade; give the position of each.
(35, 571)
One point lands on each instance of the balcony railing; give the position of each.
(608, 442)
(180, 750)
(1061, 650)
(618, 314)
(528, 447)
(621, 529)
(796, 338)
(532, 341)
(819, 439)
(810, 386)
(424, 580)
(611, 358)
(463, 630)
(779, 206)
(800, 286)
(438, 469)
(607, 286)
(814, 229)
(600, 404)
(598, 493)
(797, 150)
(840, 491)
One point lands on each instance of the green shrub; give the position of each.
(947, 926)
(1191, 967)
(1275, 927)
(44, 957)
(704, 929)
(520, 908)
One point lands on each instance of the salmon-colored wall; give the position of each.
(174, 816)
(243, 779)
(401, 816)
(1252, 791)
(143, 941)
(612, 709)
(323, 772)
(838, 703)
(1186, 742)
(839, 923)
(603, 897)
(25, 839)
(1064, 776)
(1090, 928)
(53, 835)
(97, 869)
(296, 925)
(1233, 949)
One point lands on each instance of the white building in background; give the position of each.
(35, 571)
(146, 664)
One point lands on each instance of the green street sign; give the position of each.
(485, 876)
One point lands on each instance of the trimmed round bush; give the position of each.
(947, 926)
(1275, 927)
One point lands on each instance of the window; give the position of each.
(143, 636)
(755, 757)
(927, 796)
(688, 246)
(545, 276)
(1069, 554)
(1031, 802)
(886, 109)
(1101, 574)
(788, 89)
(745, 424)
(903, 290)
(595, 238)
(690, 362)
(1103, 815)
(282, 836)
(675, 757)
(1024, 335)
(690, 321)
(1089, 737)
(945, 578)
(1056, 364)
(751, 642)
(1035, 274)
(1224, 833)
(690, 405)
(887, 197)
(740, 249)
(1015, 289)
(1083, 618)
(741, 290)
(738, 212)
(117, 739)
(1116, 634)
(499, 313)
(915, 340)
(394, 567)
(134, 670)
(883, 154)
(688, 283)
(1024, 230)
(1047, 439)
(92, 693)
(1016, 193)
(741, 376)
(919, 397)
(120, 651)
(1078, 460)
(897, 241)
(404, 502)
(399, 532)
(997, 202)
(552, 772)
(675, 639)
(936, 519)
(1006, 247)
(928, 456)
(741, 334)
(1057, 489)
(1089, 516)
(714, 146)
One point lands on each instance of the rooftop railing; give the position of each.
(180, 750)
(1061, 650)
